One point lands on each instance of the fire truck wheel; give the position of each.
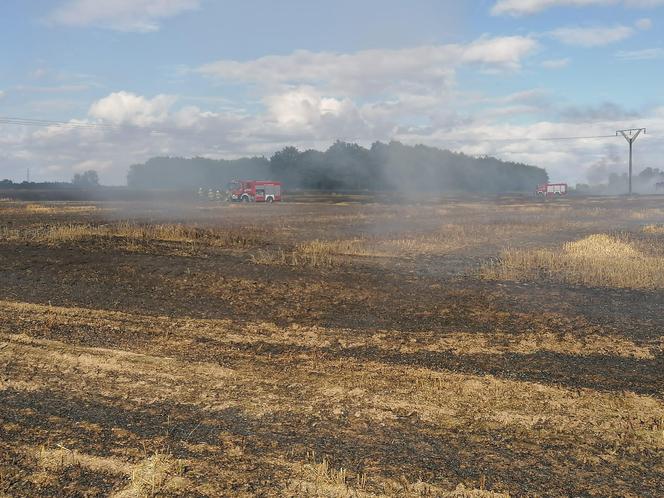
(245, 198)
(269, 199)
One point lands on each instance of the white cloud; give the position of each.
(121, 15)
(603, 112)
(2, 94)
(304, 105)
(555, 63)
(533, 101)
(644, 24)
(515, 110)
(52, 89)
(371, 72)
(641, 55)
(596, 36)
(529, 7)
(643, 4)
(49, 105)
(124, 108)
(535, 95)
(134, 128)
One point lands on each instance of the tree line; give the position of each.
(86, 179)
(347, 166)
(647, 181)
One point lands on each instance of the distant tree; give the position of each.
(285, 166)
(6, 183)
(88, 178)
(197, 172)
(651, 174)
(350, 166)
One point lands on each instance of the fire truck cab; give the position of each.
(551, 189)
(254, 191)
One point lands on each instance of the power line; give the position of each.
(47, 123)
(537, 139)
(573, 138)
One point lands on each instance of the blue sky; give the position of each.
(226, 79)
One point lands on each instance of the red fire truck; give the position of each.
(551, 189)
(254, 191)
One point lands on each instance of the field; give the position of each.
(333, 347)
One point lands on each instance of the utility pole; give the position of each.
(631, 135)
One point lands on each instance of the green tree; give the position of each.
(285, 166)
(88, 178)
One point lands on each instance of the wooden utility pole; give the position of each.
(631, 135)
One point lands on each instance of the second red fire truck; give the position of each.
(551, 189)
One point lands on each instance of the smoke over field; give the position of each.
(395, 167)
(463, 348)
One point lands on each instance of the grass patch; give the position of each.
(133, 232)
(35, 208)
(442, 241)
(156, 475)
(315, 254)
(324, 480)
(597, 260)
(654, 229)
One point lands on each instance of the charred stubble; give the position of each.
(386, 365)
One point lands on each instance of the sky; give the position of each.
(134, 79)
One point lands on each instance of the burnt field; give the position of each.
(332, 348)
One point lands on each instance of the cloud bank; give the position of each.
(310, 99)
(122, 15)
(530, 7)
